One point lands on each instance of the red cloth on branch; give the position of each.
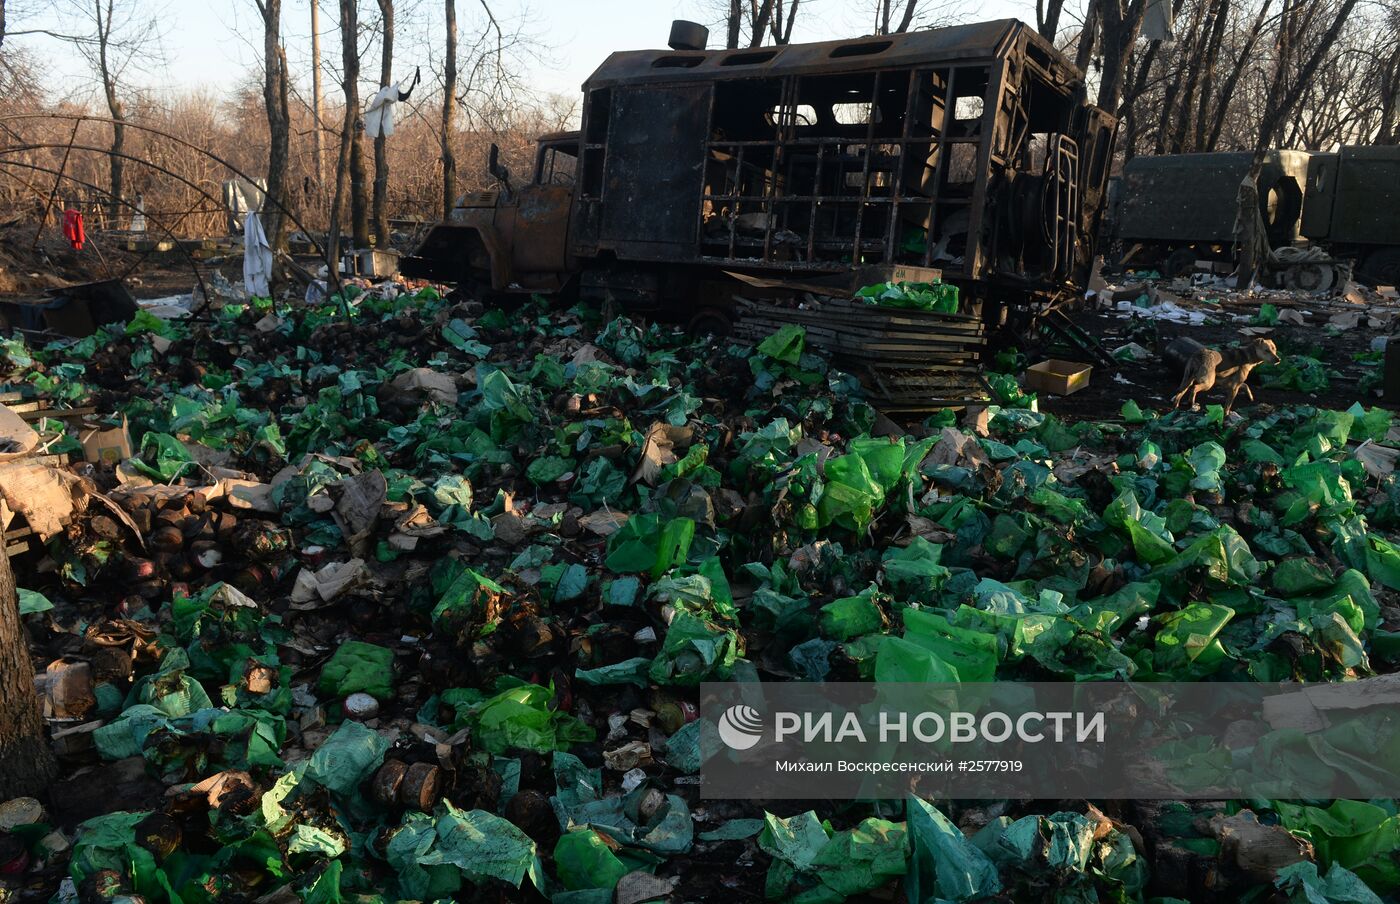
(73, 228)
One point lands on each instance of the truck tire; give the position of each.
(710, 322)
(1179, 263)
(1382, 267)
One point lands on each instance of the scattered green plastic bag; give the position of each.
(347, 758)
(359, 667)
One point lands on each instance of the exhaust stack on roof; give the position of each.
(688, 35)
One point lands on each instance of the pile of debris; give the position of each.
(401, 598)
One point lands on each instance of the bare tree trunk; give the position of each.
(449, 113)
(1210, 59)
(1191, 50)
(1277, 112)
(1131, 115)
(1227, 90)
(381, 152)
(1047, 18)
(347, 132)
(2, 23)
(907, 21)
(782, 26)
(1120, 31)
(317, 132)
(26, 762)
(733, 24)
(278, 124)
(760, 23)
(1088, 35)
(1163, 145)
(887, 25)
(116, 161)
(350, 56)
(1387, 132)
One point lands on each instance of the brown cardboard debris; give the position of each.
(639, 886)
(17, 438)
(44, 495)
(248, 494)
(68, 691)
(358, 501)
(1259, 851)
(659, 450)
(603, 523)
(103, 444)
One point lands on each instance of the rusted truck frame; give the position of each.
(968, 150)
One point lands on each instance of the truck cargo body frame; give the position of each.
(968, 149)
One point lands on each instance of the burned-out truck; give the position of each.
(696, 173)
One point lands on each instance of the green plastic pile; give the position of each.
(607, 515)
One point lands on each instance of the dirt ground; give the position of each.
(1152, 383)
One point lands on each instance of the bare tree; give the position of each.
(351, 164)
(449, 112)
(753, 22)
(278, 122)
(1298, 19)
(1047, 17)
(886, 23)
(1120, 21)
(115, 38)
(381, 153)
(26, 763)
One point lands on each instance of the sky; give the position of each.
(216, 43)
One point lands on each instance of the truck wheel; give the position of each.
(710, 322)
(1382, 267)
(1179, 263)
(1310, 277)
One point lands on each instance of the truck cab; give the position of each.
(512, 238)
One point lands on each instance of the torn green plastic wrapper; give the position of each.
(812, 867)
(649, 543)
(695, 650)
(346, 758)
(32, 602)
(667, 831)
(851, 616)
(784, 345)
(163, 458)
(584, 860)
(936, 297)
(357, 667)
(518, 716)
(943, 864)
(1304, 885)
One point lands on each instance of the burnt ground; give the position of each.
(1152, 383)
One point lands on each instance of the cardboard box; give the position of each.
(1057, 377)
(105, 445)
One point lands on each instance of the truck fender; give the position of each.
(500, 263)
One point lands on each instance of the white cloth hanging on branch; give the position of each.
(379, 118)
(257, 258)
